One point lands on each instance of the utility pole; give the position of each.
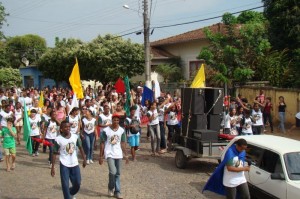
(147, 44)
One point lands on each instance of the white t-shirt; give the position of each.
(105, 119)
(28, 102)
(161, 114)
(18, 114)
(128, 122)
(35, 125)
(52, 130)
(233, 179)
(247, 127)
(258, 116)
(89, 125)
(74, 123)
(67, 150)
(155, 120)
(112, 147)
(227, 122)
(4, 117)
(172, 118)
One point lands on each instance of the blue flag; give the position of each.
(147, 95)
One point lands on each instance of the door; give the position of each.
(260, 176)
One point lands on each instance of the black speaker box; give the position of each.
(193, 99)
(196, 122)
(214, 100)
(214, 122)
(205, 135)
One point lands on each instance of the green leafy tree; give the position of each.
(104, 59)
(10, 77)
(3, 15)
(284, 28)
(168, 71)
(29, 46)
(237, 53)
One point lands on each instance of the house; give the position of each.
(184, 47)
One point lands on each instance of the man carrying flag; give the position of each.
(75, 81)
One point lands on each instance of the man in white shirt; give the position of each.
(112, 147)
(65, 145)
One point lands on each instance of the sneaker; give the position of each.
(37, 154)
(73, 197)
(91, 161)
(88, 162)
(33, 155)
(110, 193)
(119, 196)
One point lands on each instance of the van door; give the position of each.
(260, 176)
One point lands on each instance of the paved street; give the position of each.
(149, 177)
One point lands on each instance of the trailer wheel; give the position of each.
(180, 159)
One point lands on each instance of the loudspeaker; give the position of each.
(214, 122)
(205, 135)
(196, 122)
(214, 100)
(193, 99)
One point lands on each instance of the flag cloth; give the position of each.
(41, 100)
(147, 95)
(27, 130)
(128, 96)
(75, 82)
(120, 86)
(157, 89)
(215, 182)
(199, 80)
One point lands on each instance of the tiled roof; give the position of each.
(189, 36)
(159, 53)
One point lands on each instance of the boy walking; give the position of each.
(9, 133)
(65, 145)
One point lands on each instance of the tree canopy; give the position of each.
(10, 77)
(104, 59)
(3, 15)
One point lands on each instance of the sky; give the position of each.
(86, 19)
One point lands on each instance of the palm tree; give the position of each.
(168, 70)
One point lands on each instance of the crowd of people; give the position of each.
(100, 119)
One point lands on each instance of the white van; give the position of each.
(275, 166)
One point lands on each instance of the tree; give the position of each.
(10, 77)
(3, 15)
(29, 46)
(104, 59)
(167, 71)
(237, 53)
(284, 28)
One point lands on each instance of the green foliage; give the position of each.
(167, 71)
(284, 28)
(30, 46)
(228, 19)
(242, 74)
(104, 59)
(250, 17)
(10, 77)
(3, 15)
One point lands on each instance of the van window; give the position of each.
(254, 154)
(270, 162)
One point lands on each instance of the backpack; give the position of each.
(136, 128)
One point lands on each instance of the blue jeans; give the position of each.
(1, 156)
(50, 148)
(89, 145)
(163, 143)
(72, 174)
(114, 167)
(282, 120)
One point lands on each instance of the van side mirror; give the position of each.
(277, 176)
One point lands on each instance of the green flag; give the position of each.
(128, 96)
(27, 130)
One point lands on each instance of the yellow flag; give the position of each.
(75, 81)
(199, 80)
(41, 100)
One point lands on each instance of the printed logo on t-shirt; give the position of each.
(74, 124)
(236, 162)
(107, 121)
(89, 126)
(70, 148)
(52, 129)
(33, 125)
(114, 139)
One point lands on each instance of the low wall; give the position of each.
(291, 96)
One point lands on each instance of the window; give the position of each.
(270, 161)
(292, 163)
(254, 154)
(194, 67)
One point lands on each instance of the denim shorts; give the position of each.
(134, 140)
